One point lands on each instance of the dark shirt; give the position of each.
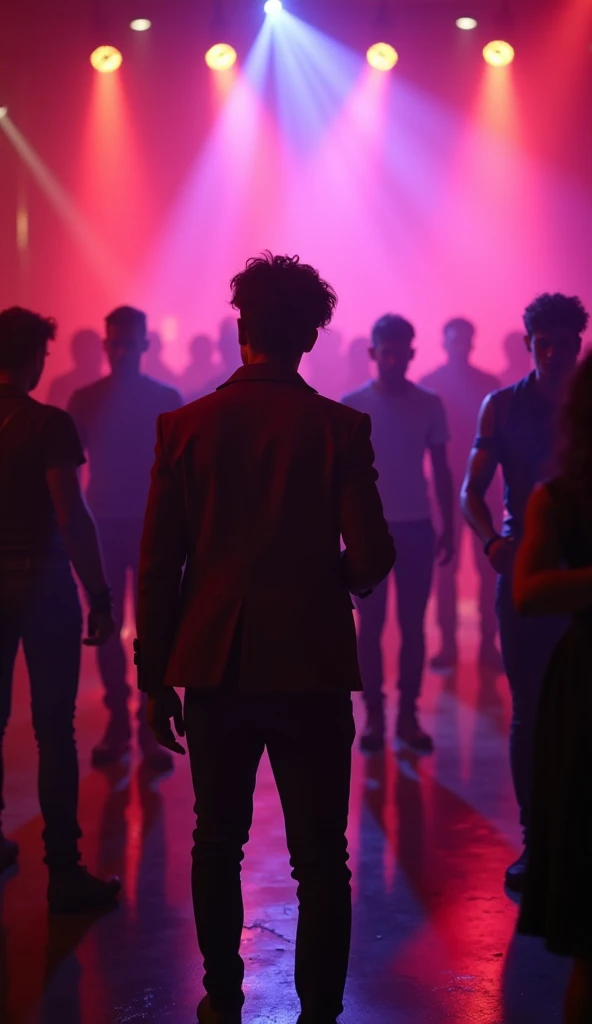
(522, 442)
(116, 418)
(33, 439)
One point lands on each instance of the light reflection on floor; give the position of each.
(430, 838)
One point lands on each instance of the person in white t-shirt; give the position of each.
(407, 422)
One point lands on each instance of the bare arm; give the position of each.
(444, 493)
(77, 527)
(541, 587)
(480, 473)
(369, 549)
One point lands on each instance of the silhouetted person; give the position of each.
(154, 365)
(518, 359)
(44, 526)
(553, 576)
(407, 422)
(325, 367)
(115, 417)
(516, 430)
(198, 371)
(87, 355)
(252, 489)
(229, 352)
(462, 388)
(357, 363)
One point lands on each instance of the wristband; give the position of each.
(101, 603)
(492, 540)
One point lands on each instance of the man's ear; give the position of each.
(528, 342)
(372, 353)
(411, 354)
(145, 344)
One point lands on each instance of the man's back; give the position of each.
(116, 419)
(258, 476)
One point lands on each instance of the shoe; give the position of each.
(445, 661)
(207, 1015)
(9, 852)
(75, 891)
(516, 873)
(114, 745)
(410, 732)
(372, 740)
(490, 657)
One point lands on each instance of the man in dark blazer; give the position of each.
(244, 600)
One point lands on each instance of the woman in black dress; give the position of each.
(553, 575)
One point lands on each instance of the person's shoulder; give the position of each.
(89, 392)
(424, 395)
(51, 416)
(361, 398)
(487, 381)
(431, 380)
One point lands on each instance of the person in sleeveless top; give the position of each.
(553, 576)
(517, 431)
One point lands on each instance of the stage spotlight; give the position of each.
(466, 23)
(106, 59)
(498, 53)
(382, 56)
(140, 24)
(3, 112)
(220, 57)
(272, 6)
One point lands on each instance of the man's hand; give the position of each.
(100, 627)
(159, 711)
(445, 548)
(501, 554)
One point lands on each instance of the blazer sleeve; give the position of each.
(163, 553)
(369, 548)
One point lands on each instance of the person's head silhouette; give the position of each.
(125, 340)
(283, 304)
(458, 340)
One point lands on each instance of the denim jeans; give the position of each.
(413, 573)
(308, 738)
(41, 609)
(527, 645)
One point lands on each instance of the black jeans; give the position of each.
(308, 739)
(120, 541)
(43, 611)
(413, 573)
(527, 645)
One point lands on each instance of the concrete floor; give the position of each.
(433, 930)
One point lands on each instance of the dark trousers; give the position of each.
(120, 541)
(413, 573)
(44, 613)
(447, 593)
(527, 645)
(308, 738)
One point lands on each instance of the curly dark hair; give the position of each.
(22, 335)
(281, 302)
(575, 448)
(552, 312)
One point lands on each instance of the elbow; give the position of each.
(526, 600)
